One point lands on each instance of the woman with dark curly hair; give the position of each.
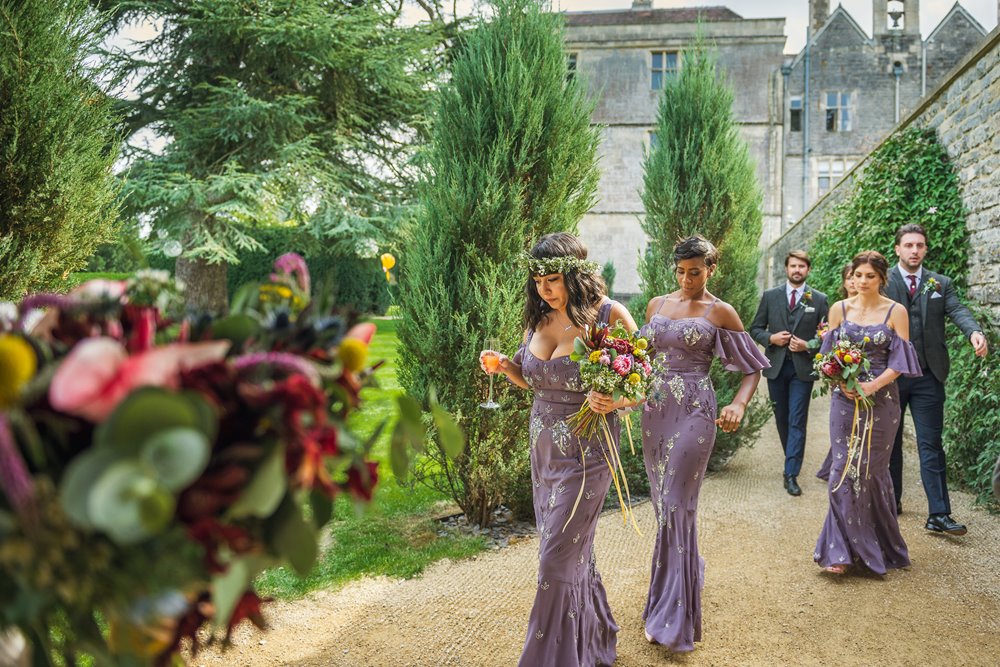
(570, 624)
(688, 328)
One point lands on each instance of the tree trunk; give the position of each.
(205, 285)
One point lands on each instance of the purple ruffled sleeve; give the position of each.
(518, 357)
(738, 352)
(903, 357)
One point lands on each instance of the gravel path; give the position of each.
(765, 601)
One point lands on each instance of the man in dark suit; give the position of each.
(785, 323)
(929, 297)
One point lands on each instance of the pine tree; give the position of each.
(57, 145)
(290, 112)
(699, 178)
(513, 157)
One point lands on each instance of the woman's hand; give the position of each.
(730, 417)
(849, 393)
(870, 388)
(503, 365)
(602, 403)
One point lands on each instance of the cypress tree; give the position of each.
(513, 156)
(57, 145)
(699, 178)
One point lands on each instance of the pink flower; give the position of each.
(647, 367)
(292, 264)
(605, 360)
(98, 373)
(622, 364)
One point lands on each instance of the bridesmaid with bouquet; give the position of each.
(571, 623)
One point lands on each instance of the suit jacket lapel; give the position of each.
(897, 288)
(796, 313)
(922, 297)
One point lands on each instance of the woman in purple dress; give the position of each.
(846, 291)
(687, 328)
(570, 624)
(861, 527)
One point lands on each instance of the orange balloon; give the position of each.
(388, 261)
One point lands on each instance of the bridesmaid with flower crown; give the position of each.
(571, 623)
(688, 328)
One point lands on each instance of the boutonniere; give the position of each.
(931, 285)
(807, 296)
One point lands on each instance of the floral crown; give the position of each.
(563, 264)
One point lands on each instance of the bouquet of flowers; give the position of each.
(847, 364)
(822, 329)
(614, 361)
(151, 464)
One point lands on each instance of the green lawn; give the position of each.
(397, 534)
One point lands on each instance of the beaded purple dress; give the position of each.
(570, 623)
(861, 526)
(678, 433)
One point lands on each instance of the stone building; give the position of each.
(846, 91)
(855, 83)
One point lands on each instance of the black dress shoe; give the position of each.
(792, 486)
(899, 507)
(943, 523)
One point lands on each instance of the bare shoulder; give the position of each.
(620, 312)
(654, 305)
(836, 313)
(726, 317)
(898, 315)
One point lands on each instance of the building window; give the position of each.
(665, 64)
(828, 172)
(838, 112)
(795, 114)
(570, 65)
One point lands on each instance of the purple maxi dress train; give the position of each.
(678, 433)
(861, 526)
(570, 623)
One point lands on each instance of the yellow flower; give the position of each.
(353, 353)
(867, 339)
(634, 378)
(595, 356)
(17, 365)
(848, 359)
(819, 356)
(388, 261)
(641, 343)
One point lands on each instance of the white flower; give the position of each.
(932, 210)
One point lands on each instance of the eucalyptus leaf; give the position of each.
(78, 480)
(264, 492)
(145, 412)
(177, 456)
(237, 328)
(293, 537)
(399, 458)
(116, 502)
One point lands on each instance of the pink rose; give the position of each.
(98, 373)
(622, 364)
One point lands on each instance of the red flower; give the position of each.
(620, 345)
(362, 482)
(622, 364)
(247, 608)
(307, 458)
(212, 534)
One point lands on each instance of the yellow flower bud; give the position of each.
(819, 356)
(353, 353)
(867, 339)
(17, 365)
(595, 356)
(641, 343)
(634, 378)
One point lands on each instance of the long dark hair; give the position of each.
(585, 290)
(844, 272)
(877, 261)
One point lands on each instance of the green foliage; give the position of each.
(973, 414)
(279, 112)
(513, 157)
(57, 145)
(908, 179)
(351, 281)
(608, 273)
(699, 178)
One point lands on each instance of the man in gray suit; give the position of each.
(929, 297)
(785, 323)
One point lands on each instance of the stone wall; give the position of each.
(965, 112)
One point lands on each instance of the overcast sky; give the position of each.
(794, 12)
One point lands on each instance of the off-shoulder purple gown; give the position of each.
(570, 623)
(678, 433)
(861, 526)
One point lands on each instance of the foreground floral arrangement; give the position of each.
(152, 465)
